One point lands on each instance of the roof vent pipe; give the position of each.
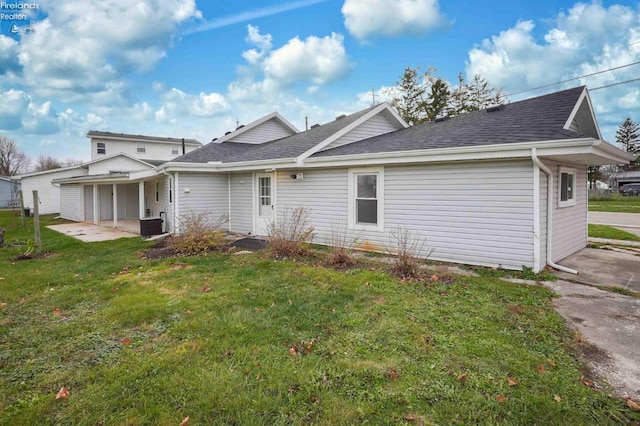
(184, 149)
(340, 117)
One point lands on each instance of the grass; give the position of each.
(229, 339)
(603, 231)
(617, 203)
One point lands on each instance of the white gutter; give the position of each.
(549, 174)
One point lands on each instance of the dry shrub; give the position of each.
(199, 234)
(408, 250)
(289, 236)
(342, 243)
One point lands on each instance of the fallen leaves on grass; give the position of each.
(501, 399)
(57, 311)
(550, 362)
(556, 398)
(462, 377)
(185, 421)
(126, 341)
(586, 381)
(206, 288)
(633, 405)
(63, 393)
(541, 368)
(511, 381)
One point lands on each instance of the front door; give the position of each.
(264, 203)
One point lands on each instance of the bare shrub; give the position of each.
(408, 250)
(342, 243)
(289, 236)
(199, 234)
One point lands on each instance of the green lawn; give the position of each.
(241, 339)
(603, 231)
(617, 203)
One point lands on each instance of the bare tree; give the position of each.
(12, 160)
(47, 162)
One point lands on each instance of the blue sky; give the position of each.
(190, 69)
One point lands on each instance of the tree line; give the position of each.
(15, 162)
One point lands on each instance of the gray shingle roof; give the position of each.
(536, 119)
(214, 151)
(289, 147)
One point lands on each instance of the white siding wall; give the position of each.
(268, 131)
(473, 213)
(48, 194)
(569, 223)
(71, 202)
(208, 193)
(543, 218)
(241, 217)
(116, 164)
(154, 150)
(376, 125)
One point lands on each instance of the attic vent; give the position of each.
(495, 108)
(340, 117)
(228, 133)
(315, 125)
(443, 118)
(214, 139)
(240, 126)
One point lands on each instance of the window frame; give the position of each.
(175, 149)
(141, 148)
(569, 201)
(352, 222)
(101, 146)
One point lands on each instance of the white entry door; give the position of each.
(264, 202)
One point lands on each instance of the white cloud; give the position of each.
(588, 38)
(177, 105)
(8, 55)
(80, 46)
(366, 18)
(13, 106)
(317, 60)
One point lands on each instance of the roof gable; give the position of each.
(270, 127)
(582, 118)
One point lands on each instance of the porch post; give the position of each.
(115, 205)
(141, 199)
(96, 205)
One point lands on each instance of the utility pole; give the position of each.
(373, 97)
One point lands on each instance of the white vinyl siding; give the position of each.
(153, 150)
(48, 194)
(117, 164)
(543, 219)
(473, 213)
(207, 193)
(268, 131)
(241, 211)
(569, 223)
(71, 205)
(376, 125)
(323, 192)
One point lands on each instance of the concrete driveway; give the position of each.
(607, 320)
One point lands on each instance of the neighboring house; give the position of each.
(622, 178)
(111, 154)
(498, 187)
(8, 192)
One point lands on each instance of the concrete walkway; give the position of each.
(88, 232)
(610, 322)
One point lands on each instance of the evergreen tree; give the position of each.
(438, 99)
(628, 135)
(408, 97)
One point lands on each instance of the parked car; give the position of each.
(630, 189)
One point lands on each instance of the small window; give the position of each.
(102, 148)
(157, 191)
(141, 148)
(365, 199)
(567, 187)
(175, 150)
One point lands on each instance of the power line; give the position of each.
(614, 84)
(575, 78)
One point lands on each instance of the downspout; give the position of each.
(229, 201)
(549, 174)
(164, 172)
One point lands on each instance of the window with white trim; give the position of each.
(141, 148)
(567, 187)
(175, 150)
(102, 148)
(366, 189)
